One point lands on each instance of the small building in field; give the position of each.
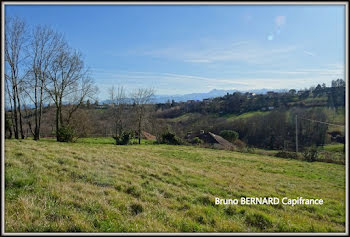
(148, 136)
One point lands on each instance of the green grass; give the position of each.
(334, 147)
(312, 100)
(95, 186)
(183, 117)
(232, 117)
(108, 140)
(96, 140)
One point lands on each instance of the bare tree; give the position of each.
(118, 99)
(15, 36)
(69, 82)
(140, 99)
(43, 48)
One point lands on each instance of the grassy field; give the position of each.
(95, 186)
(334, 147)
(232, 117)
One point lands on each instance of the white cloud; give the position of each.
(327, 71)
(176, 83)
(241, 51)
(198, 61)
(309, 53)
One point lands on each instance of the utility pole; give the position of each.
(296, 133)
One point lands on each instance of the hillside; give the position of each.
(96, 187)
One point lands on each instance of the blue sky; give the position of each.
(186, 49)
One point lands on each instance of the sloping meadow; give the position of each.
(91, 187)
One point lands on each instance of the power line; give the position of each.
(312, 120)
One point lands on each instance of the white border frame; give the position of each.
(346, 70)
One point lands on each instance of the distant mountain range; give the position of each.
(200, 96)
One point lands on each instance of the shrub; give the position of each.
(65, 134)
(123, 139)
(311, 154)
(196, 141)
(170, 138)
(239, 144)
(229, 135)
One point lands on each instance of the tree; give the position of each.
(118, 99)
(88, 104)
(292, 91)
(229, 135)
(170, 138)
(15, 38)
(140, 99)
(317, 91)
(69, 82)
(43, 50)
(338, 83)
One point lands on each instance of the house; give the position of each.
(211, 139)
(206, 100)
(250, 95)
(271, 107)
(148, 136)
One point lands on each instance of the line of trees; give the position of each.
(239, 103)
(40, 67)
(44, 75)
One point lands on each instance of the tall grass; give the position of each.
(93, 186)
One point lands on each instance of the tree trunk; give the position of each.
(60, 114)
(15, 125)
(40, 110)
(36, 129)
(140, 118)
(36, 137)
(30, 128)
(20, 115)
(10, 133)
(57, 123)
